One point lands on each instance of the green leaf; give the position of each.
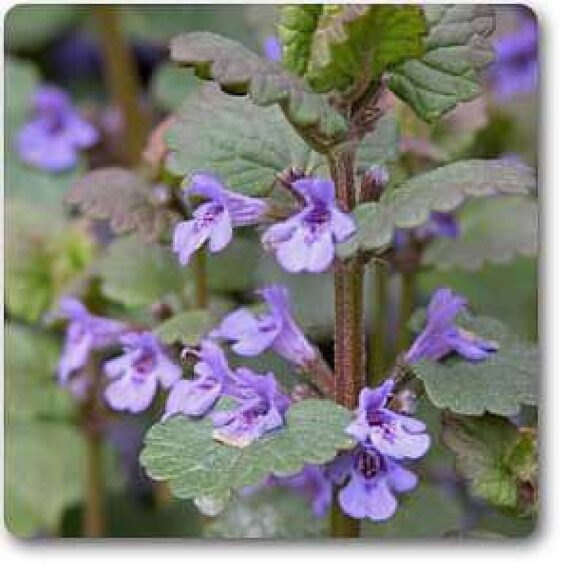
(446, 188)
(245, 146)
(158, 24)
(29, 27)
(457, 47)
(269, 514)
(171, 84)
(39, 484)
(499, 384)
(427, 512)
(44, 258)
(188, 327)
(239, 71)
(138, 274)
(184, 453)
(491, 231)
(124, 198)
(233, 269)
(443, 189)
(515, 305)
(31, 390)
(297, 24)
(354, 44)
(381, 146)
(484, 448)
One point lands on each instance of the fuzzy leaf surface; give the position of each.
(492, 231)
(239, 71)
(122, 197)
(246, 146)
(184, 453)
(139, 274)
(355, 43)
(457, 47)
(443, 189)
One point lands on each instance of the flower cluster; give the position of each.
(304, 242)
(52, 139)
(373, 468)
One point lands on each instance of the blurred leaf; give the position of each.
(44, 257)
(491, 231)
(270, 514)
(353, 44)
(507, 525)
(139, 274)
(233, 269)
(171, 84)
(485, 449)
(38, 483)
(239, 71)
(382, 145)
(245, 145)
(30, 27)
(128, 518)
(442, 189)
(31, 390)
(506, 292)
(499, 384)
(188, 327)
(427, 512)
(184, 453)
(160, 23)
(22, 77)
(122, 197)
(457, 48)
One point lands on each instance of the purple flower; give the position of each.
(515, 69)
(306, 241)
(441, 336)
(277, 330)
(215, 219)
(313, 484)
(394, 435)
(138, 372)
(439, 224)
(52, 139)
(85, 332)
(272, 48)
(261, 409)
(197, 397)
(373, 480)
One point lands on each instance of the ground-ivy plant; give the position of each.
(229, 277)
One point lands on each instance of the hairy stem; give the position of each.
(201, 279)
(349, 319)
(122, 79)
(407, 303)
(378, 350)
